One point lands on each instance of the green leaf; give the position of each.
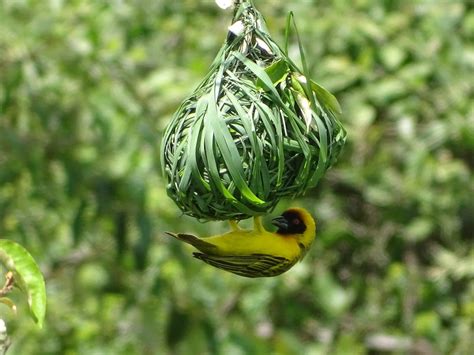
(27, 276)
(229, 152)
(326, 98)
(277, 72)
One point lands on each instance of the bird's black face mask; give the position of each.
(289, 222)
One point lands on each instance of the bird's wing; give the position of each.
(254, 265)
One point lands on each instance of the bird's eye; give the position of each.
(296, 221)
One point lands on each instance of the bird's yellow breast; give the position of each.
(246, 242)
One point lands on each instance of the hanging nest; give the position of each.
(255, 130)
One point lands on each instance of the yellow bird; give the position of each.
(257, 252)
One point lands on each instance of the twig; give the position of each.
(8, 286)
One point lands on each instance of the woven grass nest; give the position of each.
(254, 131)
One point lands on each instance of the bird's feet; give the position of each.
(234, 225)
(257, 224)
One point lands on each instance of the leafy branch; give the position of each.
(23, 273)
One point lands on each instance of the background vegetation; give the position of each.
(86, 89)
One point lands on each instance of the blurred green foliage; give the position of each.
(86, 89)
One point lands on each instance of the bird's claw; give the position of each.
(234, 225)
(257, 224)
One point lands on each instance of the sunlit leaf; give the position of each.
(27, 276)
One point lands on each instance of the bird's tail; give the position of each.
(196, 242)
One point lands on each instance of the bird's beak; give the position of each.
(280, 222)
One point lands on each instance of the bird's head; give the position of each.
(297, 222)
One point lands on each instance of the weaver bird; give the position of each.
(257, 252)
